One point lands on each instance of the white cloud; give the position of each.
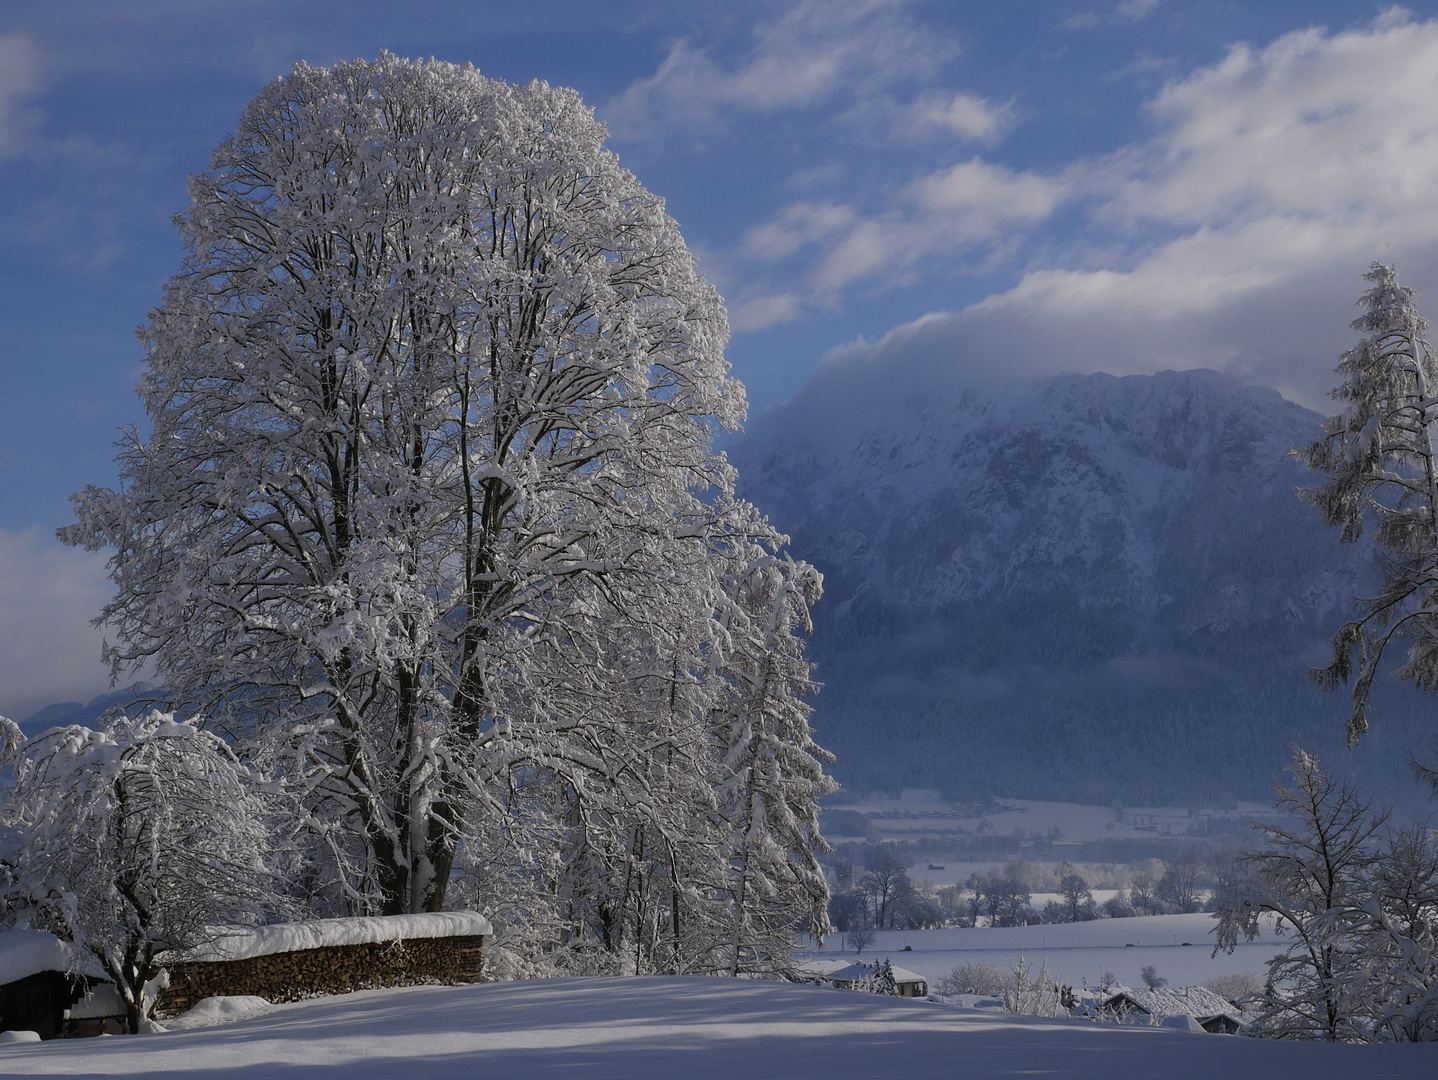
(799, 225)
(762, 312)
(1083, 20)
(1340, 127)
(1276, 176)
(940, 216)
(1135, 10)
(48, 650)
(813, 53)
(945, 214)
(940, 115)
(1130, 11)
(1234, 238)
(21, 69)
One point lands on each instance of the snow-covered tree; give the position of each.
(430, 508)
(1034, 995)
(132, 841)
(1379, 454)
(1396, 923)
(975, 977)
(1304, 883)
(859, 939)
(1077, 897)
(1178, 890)
(1002, 898)
(771, 772)
(883, 981)
(1362, 909)
(884, 881)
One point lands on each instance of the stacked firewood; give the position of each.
(338, 969)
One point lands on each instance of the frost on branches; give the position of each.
(771, 774)
(430, 519)
(132, 840)
(1359, 908)
(1379, 454)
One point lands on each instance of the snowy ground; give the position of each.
(1077, 953)
(695, 1028)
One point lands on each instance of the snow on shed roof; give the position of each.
(25, 952)
(240, 943)
(1196, 1001)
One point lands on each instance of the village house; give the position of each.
(860, 976)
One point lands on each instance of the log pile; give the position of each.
(336, 969)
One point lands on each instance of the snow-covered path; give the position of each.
(687, 1028)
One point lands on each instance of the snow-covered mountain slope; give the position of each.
(1090, 587)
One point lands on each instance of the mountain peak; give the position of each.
(1108, 549)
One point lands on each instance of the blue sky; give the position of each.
(955, 191)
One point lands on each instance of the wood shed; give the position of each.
(290, 961)
(41, 980)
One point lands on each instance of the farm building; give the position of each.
(1214, 1012)
(45, 987)
(861, 976)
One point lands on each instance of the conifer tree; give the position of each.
(1379, 455)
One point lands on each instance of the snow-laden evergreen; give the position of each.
(1381, 457)
(771, 772)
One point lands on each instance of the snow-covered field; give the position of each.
(1077, 953)
(695, 1028)
(921, 813)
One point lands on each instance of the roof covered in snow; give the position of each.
(860, 971)
(815, 965)
(240, 943)
(1196, 1001)
(25, 952)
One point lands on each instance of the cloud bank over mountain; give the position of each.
(1233, 238)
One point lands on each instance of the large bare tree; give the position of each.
(430, 496)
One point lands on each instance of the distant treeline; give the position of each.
(991, 848)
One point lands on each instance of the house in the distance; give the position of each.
(860, 976)
(1213, 1012)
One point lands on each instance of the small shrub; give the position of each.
(975, 977)
(1236, 987)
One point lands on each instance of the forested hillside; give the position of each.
(1092, 588)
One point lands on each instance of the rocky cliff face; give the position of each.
(1092, 586)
